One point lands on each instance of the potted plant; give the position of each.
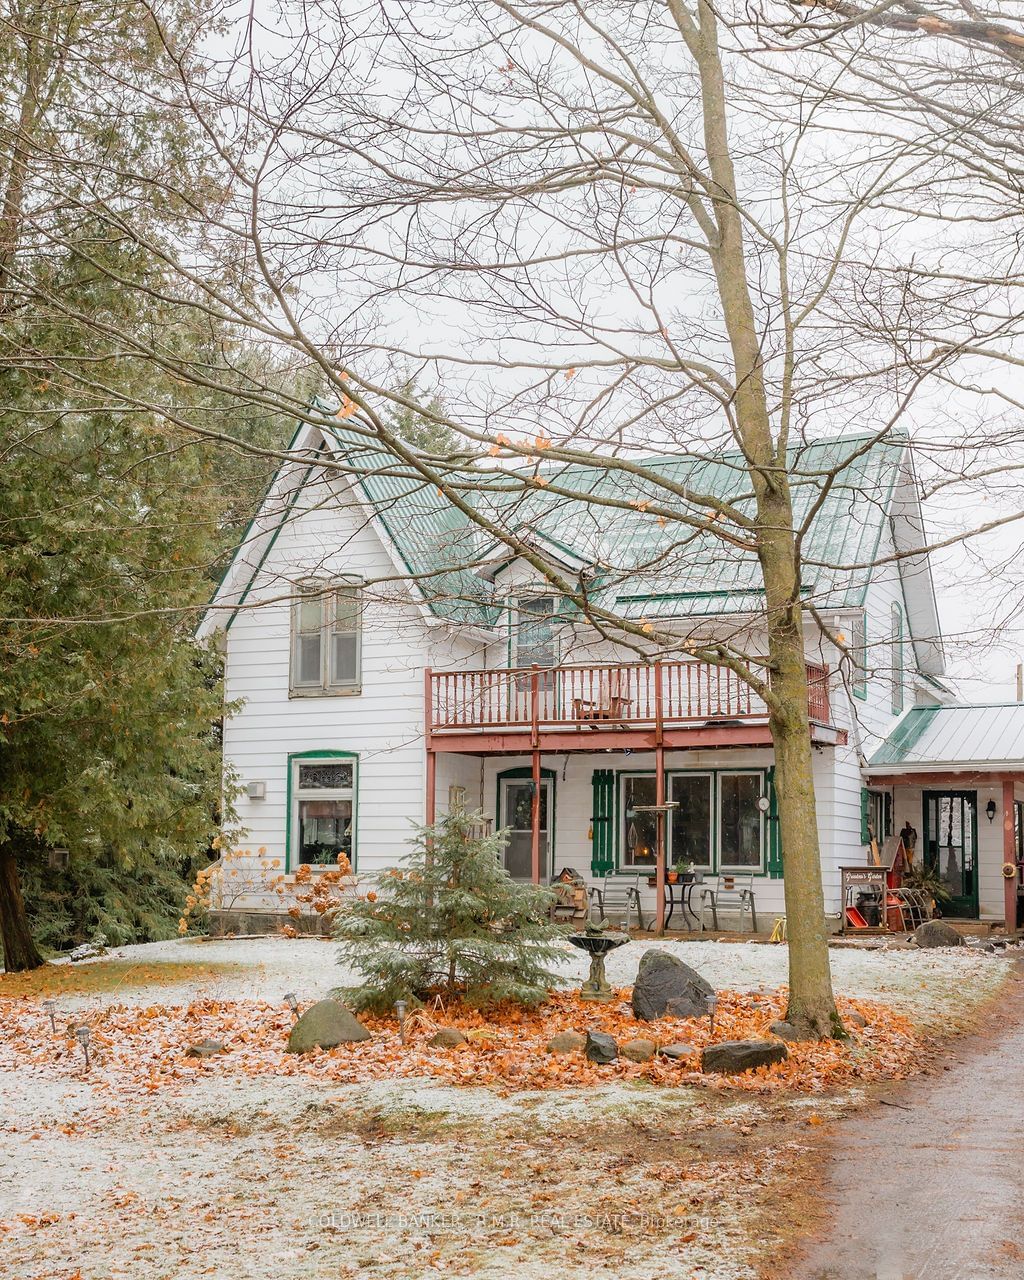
(684, 871)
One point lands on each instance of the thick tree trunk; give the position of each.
(20, 951)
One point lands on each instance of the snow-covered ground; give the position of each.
(920, 982)
(408, 1178)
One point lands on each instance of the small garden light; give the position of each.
(292, 1001)
(711, 1003)
(50, 1006)
(82, 1036)
(400, 1008)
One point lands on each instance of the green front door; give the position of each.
(951, 847)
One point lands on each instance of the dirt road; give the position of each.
(933, 1188)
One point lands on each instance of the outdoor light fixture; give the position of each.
(400, 1007)
(82, 1036)
(292, 1001)
(990, 809)
(711, 1004)
(50, 1006)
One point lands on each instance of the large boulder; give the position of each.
(600, 1047)
(664, 985)
(733, 1056)
(937, 933)
(324, 1025)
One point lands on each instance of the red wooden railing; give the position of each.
(630, 695)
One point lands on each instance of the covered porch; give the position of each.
(953, 779)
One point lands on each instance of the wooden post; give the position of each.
(535, 820)
(659, 799)
(1009, 858)
(431, 805)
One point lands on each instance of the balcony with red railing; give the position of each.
(593, 707)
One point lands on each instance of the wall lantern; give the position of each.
(990, 810)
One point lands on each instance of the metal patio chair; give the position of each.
(618, 895)
(729, 890)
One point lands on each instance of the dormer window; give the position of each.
(326, 650)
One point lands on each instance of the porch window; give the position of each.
(640, 830)
(897, 659)
(740, 820)
(327, 638)
(323, 809)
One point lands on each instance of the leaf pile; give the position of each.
(145, 1048)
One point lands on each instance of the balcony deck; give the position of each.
(592, 708)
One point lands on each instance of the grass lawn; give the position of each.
(375, 1160)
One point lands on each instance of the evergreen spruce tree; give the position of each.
(450, 922)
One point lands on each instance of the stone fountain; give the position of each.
(597, 943)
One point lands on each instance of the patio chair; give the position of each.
(618, 894)
(729, 890)
(606, 700)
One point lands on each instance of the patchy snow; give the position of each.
(924, 983)
(407, 1178)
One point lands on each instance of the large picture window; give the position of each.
(740, 820)
(692, 828)
(719, 822)
(640, 830)
(327, 638)
(323, 810)
(859, 654)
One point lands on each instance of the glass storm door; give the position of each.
(950, 847)
(517, 816)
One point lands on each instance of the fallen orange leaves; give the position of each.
(144, 1048)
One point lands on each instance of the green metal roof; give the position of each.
(642, 569)
(983, 735)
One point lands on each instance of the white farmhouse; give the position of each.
(391, 660)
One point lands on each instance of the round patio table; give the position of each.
(680, 894)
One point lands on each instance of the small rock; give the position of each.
(733, 1056)
(937, 933)
(600, 1047)
(663, 980)
(86, 951)
(447, 1038)
(324, 1025)
(677, 1051)
(566, 1042)
(638, 1050)
(785, 1031)
(205, 1049)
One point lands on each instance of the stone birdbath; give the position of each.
(597, 944)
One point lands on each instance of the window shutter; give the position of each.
(774, 842)
(865, 815)
(602, 859)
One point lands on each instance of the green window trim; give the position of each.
(327, 753)
(771, 865)
(517, 775)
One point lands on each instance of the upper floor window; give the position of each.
(859, 655)
(534, 641)
(896, 640)
(327, 638)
